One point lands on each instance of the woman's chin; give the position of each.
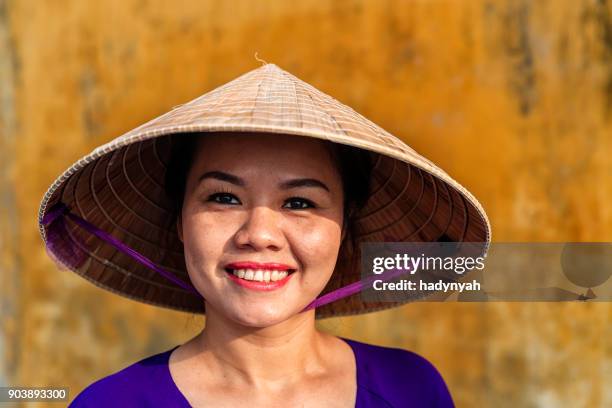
(261, 317)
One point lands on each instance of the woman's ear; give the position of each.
(179, 227)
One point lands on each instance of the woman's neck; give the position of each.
(279, 354)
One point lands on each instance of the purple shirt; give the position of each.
(386, 377)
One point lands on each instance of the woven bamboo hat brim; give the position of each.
(118, 187)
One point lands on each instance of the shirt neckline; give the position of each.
(175, 389)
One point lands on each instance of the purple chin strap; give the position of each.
(75, 256)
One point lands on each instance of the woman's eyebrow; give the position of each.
(223, 176)
(303, 182)
(285, 185)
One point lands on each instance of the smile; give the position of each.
(259, 276)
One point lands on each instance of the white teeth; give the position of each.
(260, 274)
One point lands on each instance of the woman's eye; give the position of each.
(297, 203)
(224, 198)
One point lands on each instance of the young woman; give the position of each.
(258, 194)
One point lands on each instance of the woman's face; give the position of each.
(261, 224)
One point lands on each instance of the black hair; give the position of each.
(354, 166)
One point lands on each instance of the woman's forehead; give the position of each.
(280, 149)
(224, 140)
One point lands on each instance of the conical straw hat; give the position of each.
(118, 188)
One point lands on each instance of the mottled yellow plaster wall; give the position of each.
(512, 98)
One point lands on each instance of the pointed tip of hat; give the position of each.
(264, 63)
(270, 65)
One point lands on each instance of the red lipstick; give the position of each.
(259, 285)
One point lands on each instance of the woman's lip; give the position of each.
(259, 265)
(260, 285)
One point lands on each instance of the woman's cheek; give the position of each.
(318, 248)
(204, 243)
(208, 229)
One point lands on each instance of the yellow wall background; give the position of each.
(512, 98)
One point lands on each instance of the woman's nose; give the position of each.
(261, 230)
